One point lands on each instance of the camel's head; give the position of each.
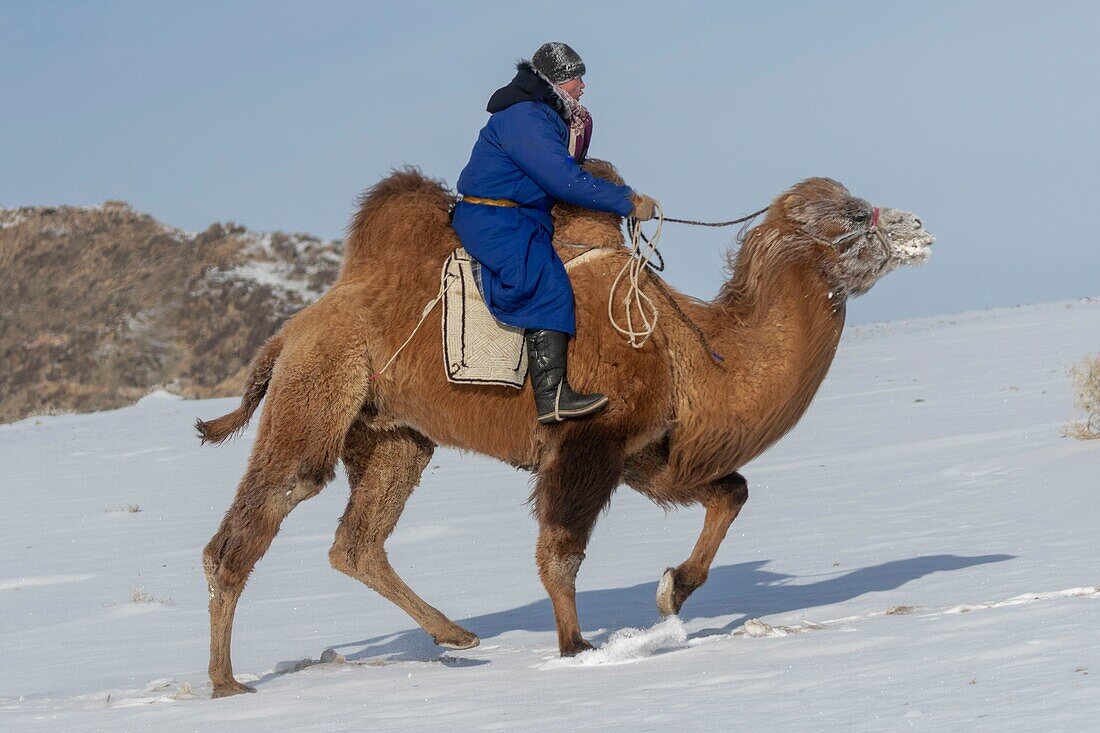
(867, 242)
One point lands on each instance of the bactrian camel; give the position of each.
(679, 427)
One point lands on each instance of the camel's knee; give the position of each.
(227, 564)
(249, 527)
(210, 569)
(561, 569)
(558, 555)
(302, 489)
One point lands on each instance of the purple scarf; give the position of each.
(580, 132)
(580, 126)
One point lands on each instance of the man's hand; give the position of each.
(644, 207)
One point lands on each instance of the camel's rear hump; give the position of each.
(406, 210)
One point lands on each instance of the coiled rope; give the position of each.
(637, 302)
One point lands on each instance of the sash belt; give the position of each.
(489, 202)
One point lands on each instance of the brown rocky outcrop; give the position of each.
(99, 305)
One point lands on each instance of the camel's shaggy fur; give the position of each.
(678, 427)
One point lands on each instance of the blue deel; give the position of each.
(522, 155)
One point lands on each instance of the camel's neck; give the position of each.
(778, 344)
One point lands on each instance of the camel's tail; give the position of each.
(259, 375)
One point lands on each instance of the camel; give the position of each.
(679, 427)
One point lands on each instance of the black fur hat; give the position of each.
(557, 62)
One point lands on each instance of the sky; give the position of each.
(981, 117)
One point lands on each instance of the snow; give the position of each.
(9, 219)
(919, 553)
(285, 268)
(276, 275)
(628, 645)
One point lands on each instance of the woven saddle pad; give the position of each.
(478, 349)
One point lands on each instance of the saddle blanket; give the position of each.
(478, 349)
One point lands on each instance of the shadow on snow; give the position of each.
(744, 590)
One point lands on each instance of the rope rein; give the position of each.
(731, 222)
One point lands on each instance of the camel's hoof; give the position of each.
(667, 604)
(579, 645)
(231, 688)
(459, 639)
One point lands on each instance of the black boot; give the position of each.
(555, 400)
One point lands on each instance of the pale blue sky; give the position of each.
(979, 116)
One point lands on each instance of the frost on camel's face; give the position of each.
(866, 248)
(866, 255)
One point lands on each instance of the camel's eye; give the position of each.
(861, 216)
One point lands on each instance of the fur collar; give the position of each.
(529, 85)
(564, 104)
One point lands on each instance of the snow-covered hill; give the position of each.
(920, 553)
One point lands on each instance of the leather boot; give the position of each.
(555, 400)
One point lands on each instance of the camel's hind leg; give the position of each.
(267, 493)
(723, 500)
(314, 396)
(574, 484)
(384, 467)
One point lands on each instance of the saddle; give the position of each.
(477, 348)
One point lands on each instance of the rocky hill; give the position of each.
(101, 304)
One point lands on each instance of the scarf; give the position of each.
(580, 126)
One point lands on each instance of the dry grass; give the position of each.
(49, 411)
(1086, 377)
(141, 596)
(128, 509)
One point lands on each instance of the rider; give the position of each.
(527, 157)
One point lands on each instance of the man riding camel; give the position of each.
(527, 157)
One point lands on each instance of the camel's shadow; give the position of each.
(744, 590)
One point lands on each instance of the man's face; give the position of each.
(574, 88)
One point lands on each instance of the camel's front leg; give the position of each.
(574, 485)
(559, 555)
(723, 500)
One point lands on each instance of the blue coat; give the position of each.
(522, 155)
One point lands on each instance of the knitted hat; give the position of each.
(557, 62)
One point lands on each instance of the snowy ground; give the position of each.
(920, 553)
